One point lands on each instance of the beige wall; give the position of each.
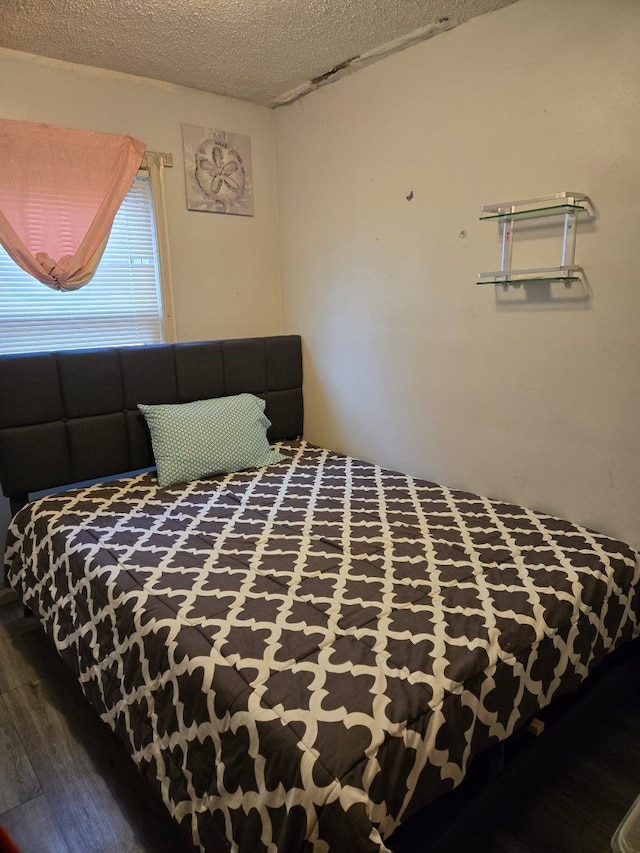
(408, 362)
(225, 268)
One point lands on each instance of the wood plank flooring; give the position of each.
(66, 783)
(68, 786)
(570, 803)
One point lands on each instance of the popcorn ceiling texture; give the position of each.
(256, 50)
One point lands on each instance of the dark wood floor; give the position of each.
(565, 797)
(67, 785)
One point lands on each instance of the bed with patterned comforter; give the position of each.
(300, 657)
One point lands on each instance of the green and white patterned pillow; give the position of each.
(219, 436)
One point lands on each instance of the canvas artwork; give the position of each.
(218, 170)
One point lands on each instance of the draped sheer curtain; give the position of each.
(59, 192)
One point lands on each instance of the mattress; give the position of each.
(300, 657)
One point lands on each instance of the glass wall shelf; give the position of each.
(507, 213)
(536, 213)
(531, 276)
(530, 280)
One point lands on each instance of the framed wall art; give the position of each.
(217, 167)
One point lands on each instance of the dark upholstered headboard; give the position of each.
(71, 416)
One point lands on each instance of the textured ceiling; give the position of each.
(263, 51)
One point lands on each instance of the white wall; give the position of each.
(225, 268)
(407, 361)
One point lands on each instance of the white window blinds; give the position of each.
(121, 305)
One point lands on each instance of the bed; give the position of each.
(298, 657)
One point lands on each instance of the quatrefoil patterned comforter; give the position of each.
(299, 658)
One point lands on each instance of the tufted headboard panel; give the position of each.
(71, 416)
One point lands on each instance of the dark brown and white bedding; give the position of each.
(299, 658)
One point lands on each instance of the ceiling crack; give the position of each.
(441, 25)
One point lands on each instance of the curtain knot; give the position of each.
(79, 179)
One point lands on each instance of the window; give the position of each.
(121, 305)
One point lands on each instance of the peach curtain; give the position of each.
(59, 191)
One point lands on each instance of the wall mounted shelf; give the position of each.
(536, 212)
(531, 276)
(507, 213)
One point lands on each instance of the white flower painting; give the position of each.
(218, 170)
